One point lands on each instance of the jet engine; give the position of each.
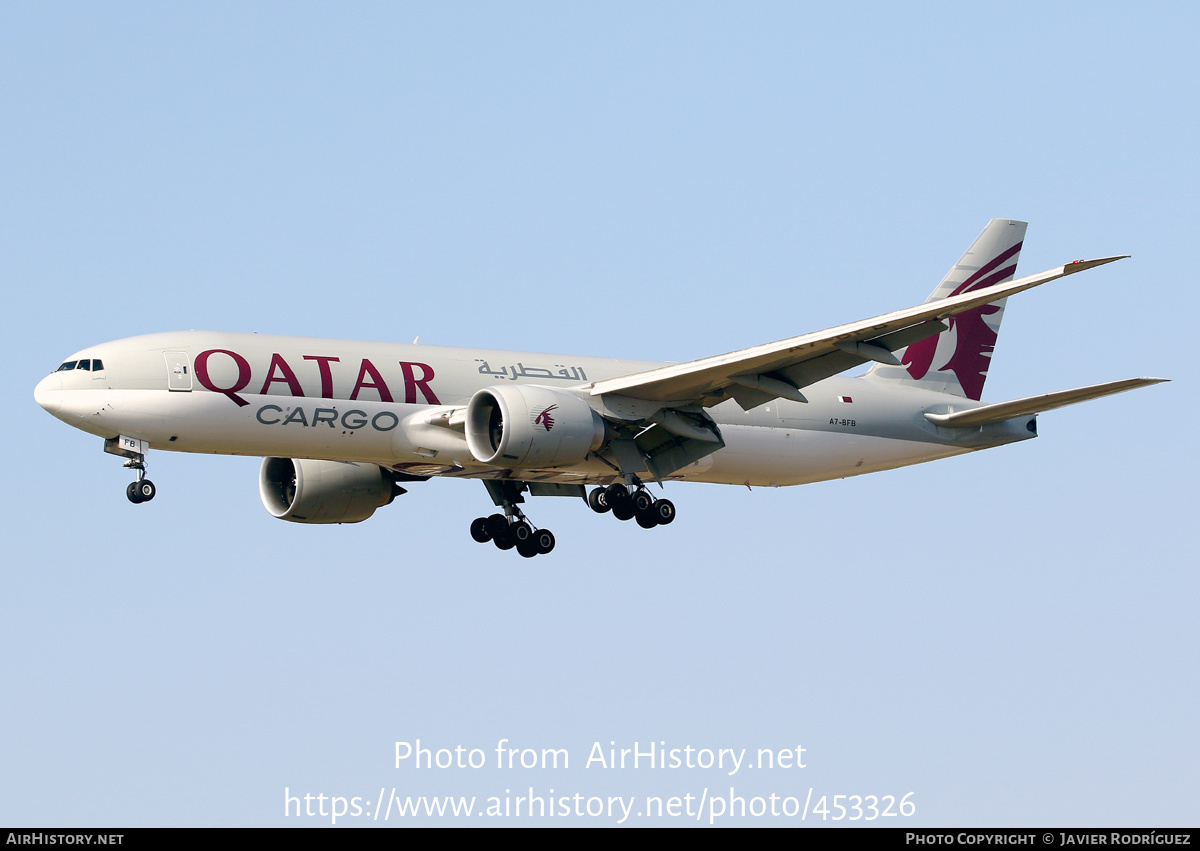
(304, 491)
(528, 426)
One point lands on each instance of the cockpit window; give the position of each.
(90, 364)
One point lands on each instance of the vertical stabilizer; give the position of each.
(957, 360)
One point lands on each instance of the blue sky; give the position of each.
(1011, 636)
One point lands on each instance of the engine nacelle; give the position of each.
(304, 491)
(528, 426)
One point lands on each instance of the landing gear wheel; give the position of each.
(146, 490)
(624, 509)
(496, 525)
(642, 501)
(598, 500)
(527, 548)
(479, 530)
(504, 541)
(665, 511)
(521, 531)
(617, 496)
(132, 493)
(647, 519)
(544, 539)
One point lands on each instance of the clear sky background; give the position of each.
(1012, 635)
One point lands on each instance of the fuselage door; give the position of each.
(179, 371)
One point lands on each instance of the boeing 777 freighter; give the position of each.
(344, 424)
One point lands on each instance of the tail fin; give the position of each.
(957, 360)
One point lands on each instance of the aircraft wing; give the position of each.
(760, 373)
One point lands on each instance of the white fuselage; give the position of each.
(307, 398)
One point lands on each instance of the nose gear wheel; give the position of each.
(142, 491)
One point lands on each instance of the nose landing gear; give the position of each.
(141, 490)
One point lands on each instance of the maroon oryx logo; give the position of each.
(975, 339)
(544, 418)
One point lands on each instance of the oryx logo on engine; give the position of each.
(544, 418)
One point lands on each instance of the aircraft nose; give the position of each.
(48, 393)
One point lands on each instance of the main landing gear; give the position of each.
(512, 531)
(628, 500)
(638, 504)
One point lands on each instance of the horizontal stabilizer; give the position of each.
(1036, 404)
(1081, 265)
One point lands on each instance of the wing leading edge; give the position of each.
(760, 373)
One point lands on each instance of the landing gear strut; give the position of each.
(638, 504)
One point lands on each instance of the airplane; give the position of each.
(343, 425)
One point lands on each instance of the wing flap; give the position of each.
(711, 377)
(1036, 404)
